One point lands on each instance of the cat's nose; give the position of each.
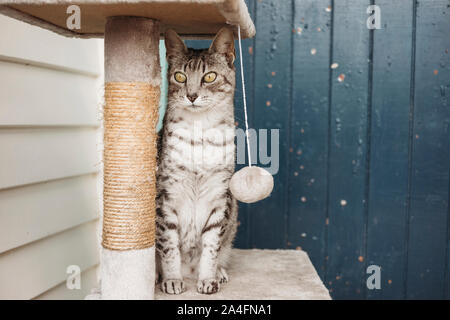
(192, 97)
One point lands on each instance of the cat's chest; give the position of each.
(198, 148)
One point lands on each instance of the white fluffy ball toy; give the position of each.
(251, 184)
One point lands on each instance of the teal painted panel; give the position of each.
(164, 84)
(308, 153)
(447, 274)
(428, 233)
(347, 184)
(271, 111)
(389, 148)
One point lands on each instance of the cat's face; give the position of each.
(200, 79)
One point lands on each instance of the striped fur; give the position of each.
(196, 213)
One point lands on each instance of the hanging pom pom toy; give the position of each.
(250, 184)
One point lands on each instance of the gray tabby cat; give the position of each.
(196, 213)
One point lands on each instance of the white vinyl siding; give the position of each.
(50, 89)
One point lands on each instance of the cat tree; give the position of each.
(132, 30)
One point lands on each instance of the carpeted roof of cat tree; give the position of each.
(190, 18)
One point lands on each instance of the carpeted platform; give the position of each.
(263, 274)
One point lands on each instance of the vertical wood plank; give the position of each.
(447, 274)
(430, 158)
(389, 156)
(243, 234)
(345, 272)
(307, 179)
(272, 111)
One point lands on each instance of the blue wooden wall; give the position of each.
(364, 147)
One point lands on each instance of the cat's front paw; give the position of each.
(173, 286)
(208, 286)
(222, 275)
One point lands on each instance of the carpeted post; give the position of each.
(132, 80)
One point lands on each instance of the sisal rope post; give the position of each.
(129, 190)
(132, 90)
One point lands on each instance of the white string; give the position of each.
(243, 97)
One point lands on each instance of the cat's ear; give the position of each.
(224, 43)
(174, 44)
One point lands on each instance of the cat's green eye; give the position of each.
(180, 77)
(210, 77)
